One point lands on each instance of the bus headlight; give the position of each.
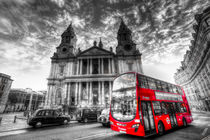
(111, 123)
(135, 125)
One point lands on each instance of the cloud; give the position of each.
(30, 30)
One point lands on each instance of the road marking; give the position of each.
(100, 135)
(12, 133)
(204, 131)
(206, 138)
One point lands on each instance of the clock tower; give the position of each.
(125, 46)
(68, 44)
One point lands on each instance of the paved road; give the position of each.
(199, 129)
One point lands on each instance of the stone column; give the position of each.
(88, 62)
(91, 66)
(88, 91)
(99, 66)
(99, 92)
(79, 97)
(109, 65)
(102, 66)
(69, 94)
(103, 98)
(77, 73)
(91, 93)
(80, 66)
(66, 93)
(113, 68)
(76, 93)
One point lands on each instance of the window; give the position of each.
(176, 107)
(106, 66)
(84, 66)
(164, 109)
(48, 112)
(143, 81)
(165, 86)
(84, 94)
(170, 88)
(158, 85)
(55, 113)
(95, 66)
(174, 89)
(41, 113)
(72, 100)
(151, 83)
(182, 107)
(157, 108)
(67, 39)
(61, 69)
(86, 111)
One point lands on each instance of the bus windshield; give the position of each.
(123, 105)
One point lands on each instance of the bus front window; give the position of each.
(123, 105)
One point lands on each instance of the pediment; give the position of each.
(95, 51)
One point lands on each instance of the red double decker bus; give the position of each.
(143, 106)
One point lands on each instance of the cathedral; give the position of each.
(81, 79)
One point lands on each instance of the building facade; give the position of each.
(5, 85)
(84, 78)
(24, 99)
(194, 74)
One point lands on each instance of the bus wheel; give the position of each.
(160, 128)
(184, 122)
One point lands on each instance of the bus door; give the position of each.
(149, 125)
(172, 114)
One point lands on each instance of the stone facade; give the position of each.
(5, 85)
(19, 100)
(194, 74)
(84, 78)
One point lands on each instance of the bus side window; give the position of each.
(151, 83)
(165, 86)
(170, 88)
(164, 109)
(158, 85)
(182, 107)
(157, 108)
(143, 81)
(176, 107)
(174, 89)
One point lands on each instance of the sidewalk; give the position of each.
(200, 112)
(7, 123)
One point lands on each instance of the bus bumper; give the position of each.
(130, 131)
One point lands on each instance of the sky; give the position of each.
(30, 31)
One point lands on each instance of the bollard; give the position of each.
(15, 119)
